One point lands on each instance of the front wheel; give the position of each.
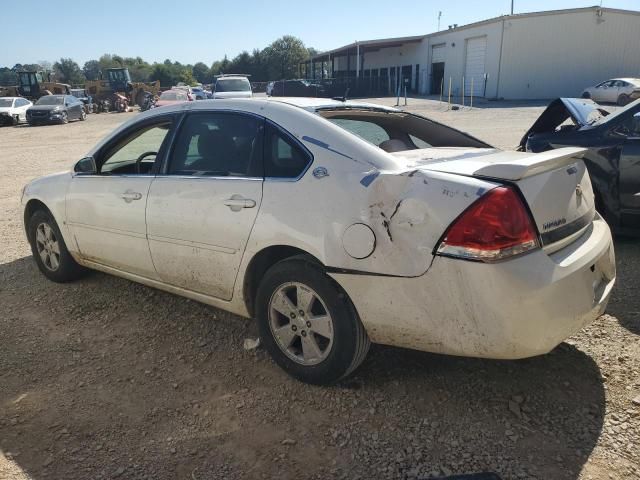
(65, 117)
(49, 250)
(308, 324)
(83, 115)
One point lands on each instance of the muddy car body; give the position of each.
(335, 224)
(612, 156)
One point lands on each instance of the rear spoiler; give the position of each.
(532, 164)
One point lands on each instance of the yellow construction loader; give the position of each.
(33, 85)
(107, 91)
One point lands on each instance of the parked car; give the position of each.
(198, 93)
(616, 90)
(187, 89)
(612, 156)
(56, 109)
(297, 214)
(297, 88)
(13, 110)
(232, 86)
(175, 95)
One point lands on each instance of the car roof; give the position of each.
(628, 79)
(12, 98)
(313, 104)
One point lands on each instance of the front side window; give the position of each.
(283, 157)
(218, 144)
(137, 152)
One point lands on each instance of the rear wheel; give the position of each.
(16, 120)
(623, 99)
(308, 324)
(49, 250)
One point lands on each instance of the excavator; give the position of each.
(33, 85)
(117, 90)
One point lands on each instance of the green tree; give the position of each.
(91, 69)
(8, 77)
(284, 56)
(68, 71)
(201, 73)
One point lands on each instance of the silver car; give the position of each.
(616, 90)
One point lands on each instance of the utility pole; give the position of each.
(439, 16)
(511, 7)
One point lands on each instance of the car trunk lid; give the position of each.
(582, 111)
(554, 184)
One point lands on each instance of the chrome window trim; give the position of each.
(209, 177)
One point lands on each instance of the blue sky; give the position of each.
(205, 31)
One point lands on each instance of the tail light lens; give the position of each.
(495, 227)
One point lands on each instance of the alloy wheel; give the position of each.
(300, 323)
(48, 247)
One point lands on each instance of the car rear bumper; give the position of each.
(513, 309)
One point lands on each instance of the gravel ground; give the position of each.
(104, 378)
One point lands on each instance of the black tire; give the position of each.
(623, 100)
(350, 341)
(15, 120)
(68, 269)
(586, 95)
(83, 115)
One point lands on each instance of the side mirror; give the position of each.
(86, 166)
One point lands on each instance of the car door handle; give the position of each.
(238, 202)
(130, 196)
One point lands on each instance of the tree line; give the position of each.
(277, 61)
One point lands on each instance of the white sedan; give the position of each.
(335, 224)
(13, 110)
(616, 90)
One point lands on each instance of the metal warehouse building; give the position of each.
(524, 56)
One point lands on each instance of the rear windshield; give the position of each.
(233, 85)
(171, 96)
(397, 131)
(50, 100)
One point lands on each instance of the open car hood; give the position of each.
(580, 110)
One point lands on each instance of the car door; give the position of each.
(106, 208)
(630, 171)
(201, 209)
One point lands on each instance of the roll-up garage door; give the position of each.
(437, 67)
(474, 70)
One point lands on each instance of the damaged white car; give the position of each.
(335, 224)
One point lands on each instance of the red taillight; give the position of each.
(496, 226)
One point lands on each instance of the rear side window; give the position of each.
(283, 156)
(368, 131)
(218, 144)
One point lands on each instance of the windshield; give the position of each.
(78, 93)
(233, 85)
(6, 102)
(51, 100)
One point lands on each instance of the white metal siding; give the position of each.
(474, 69)
(438, 53)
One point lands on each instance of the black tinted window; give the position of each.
(218, 144)
(283, 157)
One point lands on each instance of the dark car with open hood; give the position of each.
(612, 155)
(56, 109)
